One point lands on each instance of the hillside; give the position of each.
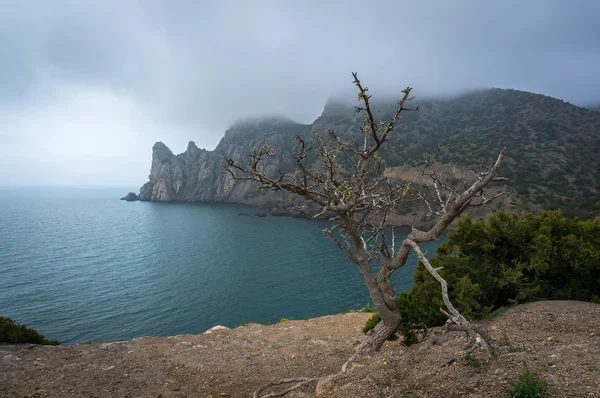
(551, 163)
(595, 108)
(559, 340)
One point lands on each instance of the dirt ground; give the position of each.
(559, 341)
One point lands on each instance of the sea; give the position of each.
(79, 265)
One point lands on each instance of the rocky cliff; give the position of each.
(198, 175)
(552, 146)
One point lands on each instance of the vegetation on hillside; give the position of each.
(553, 145)
(13, 333)
(529, 385)
(595, 108)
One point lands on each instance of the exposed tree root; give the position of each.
(353, 358)
(459, 323)
(300, 381)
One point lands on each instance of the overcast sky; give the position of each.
(87, 87)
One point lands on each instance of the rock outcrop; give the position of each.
(176, 178)
(198, 175)
(130, 197)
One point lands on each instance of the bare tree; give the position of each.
(344, 180)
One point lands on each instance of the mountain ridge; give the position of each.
(551, 145)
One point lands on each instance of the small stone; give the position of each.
(356, 365)
(323, 384)
(130, 197)
(216, 329)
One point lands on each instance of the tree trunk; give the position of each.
(375, 337)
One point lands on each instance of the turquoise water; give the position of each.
(80, 265)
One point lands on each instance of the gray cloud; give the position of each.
(87, 87)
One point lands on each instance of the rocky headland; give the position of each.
(551, 160)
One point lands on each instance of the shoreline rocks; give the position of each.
(130, 197)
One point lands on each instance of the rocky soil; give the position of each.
(558, 340)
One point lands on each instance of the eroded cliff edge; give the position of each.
(558, 340)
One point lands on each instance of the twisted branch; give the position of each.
(455, 319)
(359, 199)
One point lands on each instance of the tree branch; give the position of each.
(456, 321)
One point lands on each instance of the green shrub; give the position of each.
(13, 333)
(498, 311)
(371, 322)
(529, 385)
(368, 309)
(507, 259)
(474, 361)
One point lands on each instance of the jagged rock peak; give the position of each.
(161, 152)
(193, 151)
(192, 146)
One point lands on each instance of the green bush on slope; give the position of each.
(529, 385)
(12, 333)
(505, 260)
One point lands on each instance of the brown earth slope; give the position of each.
(559, 340)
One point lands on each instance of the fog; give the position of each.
(88, 87)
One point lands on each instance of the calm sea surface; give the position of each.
(80, 265)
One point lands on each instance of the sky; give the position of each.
(87, 87)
